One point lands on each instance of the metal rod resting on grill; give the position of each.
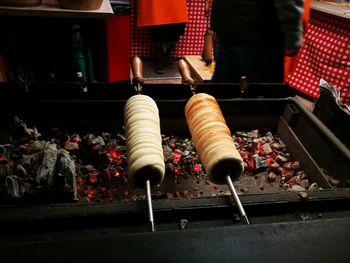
(138, 81)
(236, 199)
(149, 204)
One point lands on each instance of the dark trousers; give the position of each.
(259, 63)
(167, 33)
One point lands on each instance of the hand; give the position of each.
(291, 52)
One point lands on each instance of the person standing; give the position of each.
(252, 37)
(167, 20)
(291, 62)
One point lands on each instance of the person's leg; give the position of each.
(174, 31)
(159, 39)
(261, 63)
(226, 64)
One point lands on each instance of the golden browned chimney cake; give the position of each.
(212, 138)
(143, 141)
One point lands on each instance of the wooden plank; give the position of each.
(342, 10)
(51, 8)
(200, 71)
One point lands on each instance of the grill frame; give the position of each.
(44, 108)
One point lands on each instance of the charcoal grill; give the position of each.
(208, 225)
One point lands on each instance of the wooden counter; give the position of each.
(342, 10)
(51, 8)
(200, 71)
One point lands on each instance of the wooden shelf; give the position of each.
(342, 10)
(51, 8)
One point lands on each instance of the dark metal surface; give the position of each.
(280, 242)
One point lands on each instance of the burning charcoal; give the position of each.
(274, 166)
(276, 146)
(93, 177)
(99, 140)
(35, 147)
(48, 165)
(59, 137)
(21, 171)
(296, 188)
(197, 168)
(281, 159)
(241, 134)
(14, 186)
(295, 180)
(271, 177)
(270, 136)
(288, 173)
(65, 174)
(71, 146)
(305, 183)
(259, 162)
(17, 153)
(301, 174)
(21, 131)
(5, 153)
(177, 154)
(168, 153)
(254, 134)
(120, 138)
(32, 161)
(106, 175)
(295, 165)
(87, 169)
(266, 148)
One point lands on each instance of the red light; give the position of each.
(196, 168)
(116, 174)
(93, 177)
(75, 139)
(176, 171)
(115, 154)
(177, 157)
(91, 194)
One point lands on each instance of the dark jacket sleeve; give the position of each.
(289, 14)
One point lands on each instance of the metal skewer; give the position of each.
(237, 200)
(149, 204)
(138, 81)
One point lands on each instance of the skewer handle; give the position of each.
(149, 204)
(185, 72)
(236, 199)
(137, 69)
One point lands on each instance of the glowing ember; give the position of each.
(197, 168)
(177, 157)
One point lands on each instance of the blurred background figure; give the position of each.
(167, 19)
(290, 62)
(252, 37)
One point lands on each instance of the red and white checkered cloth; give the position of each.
(191, 43)
(325, 53)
